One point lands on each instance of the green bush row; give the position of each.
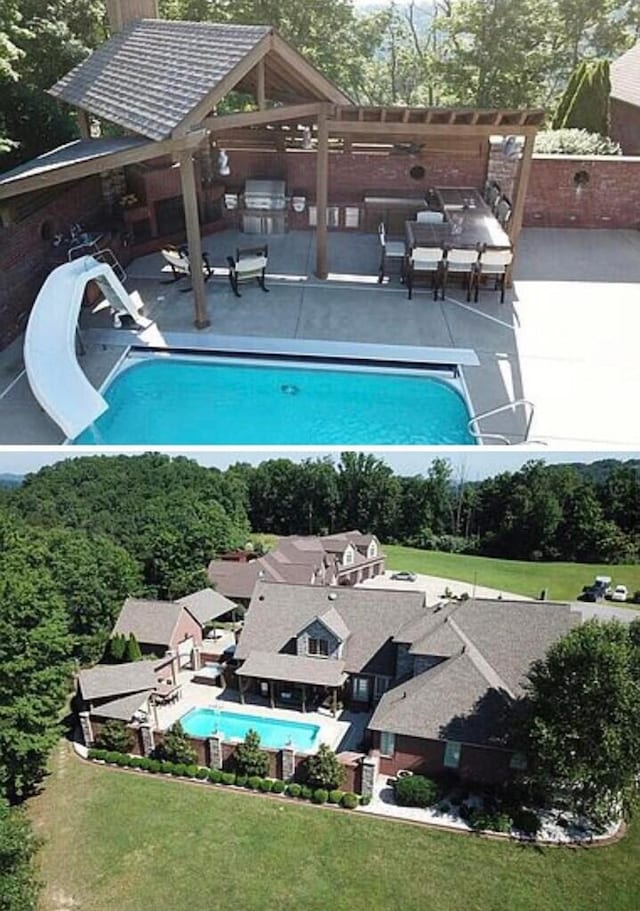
(217, 776)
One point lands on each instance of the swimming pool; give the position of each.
(178, 400)
(234, 726)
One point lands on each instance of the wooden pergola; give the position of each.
(287, 92)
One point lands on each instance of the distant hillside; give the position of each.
(599, 471)
(11, 480)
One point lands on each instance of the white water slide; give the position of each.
(56, 378)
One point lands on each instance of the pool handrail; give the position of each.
(473, 426)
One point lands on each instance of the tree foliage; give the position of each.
(323, 769)
(582, 720)
(114, 735)
(176, 746)
(249, 759)
(585, 103)
(19, 887)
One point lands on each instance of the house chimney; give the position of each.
(121, 12)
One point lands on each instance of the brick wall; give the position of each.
(610, 198)
(625, 126)
(187, 626)
(26, 258)
(426, 757)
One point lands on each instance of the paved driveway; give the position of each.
(435, 587)
(606, 612)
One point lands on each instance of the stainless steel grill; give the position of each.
(269, 195)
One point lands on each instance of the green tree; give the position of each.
(114, 735)
(176, 746)
(132, 649)
(249, 759)
(587, 107)
(369, 494)
(323, 769)
(19, 886)
(117, 648)
(582, 721)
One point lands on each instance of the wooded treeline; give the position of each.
(483, 53)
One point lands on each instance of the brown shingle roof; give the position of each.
(151, 75)
(116, 679)
(625, 77)
(278, 612)
(151, 622)
(293, 669)
(207, 605)
(123, 708)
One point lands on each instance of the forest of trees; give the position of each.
(469, 52)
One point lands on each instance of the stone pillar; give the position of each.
(87, 728)
(370, 765)
(503, 170)
(175, 664)
(216, 757)
(288, 763)
(197, 658)
(148, 742)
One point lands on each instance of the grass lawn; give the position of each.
(563, 581)
(119, 841)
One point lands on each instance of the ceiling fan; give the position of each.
(407, 148)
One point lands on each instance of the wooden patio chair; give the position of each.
(494, 264)
(427, 261)
(250, 263)
(390, 251)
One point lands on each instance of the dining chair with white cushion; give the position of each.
(390, 251)
(461, 262)
(430, 217)
(426, 261)
(494, 264)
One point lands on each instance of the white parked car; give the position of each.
(620, 593)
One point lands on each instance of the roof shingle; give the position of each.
(625, 77)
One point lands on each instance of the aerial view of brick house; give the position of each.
(437, 679)
(340, 559)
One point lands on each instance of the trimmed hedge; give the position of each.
(416, 791)
(266, 786)
(228, 778)
(527, 822)
(349, 801)
(306, 793)
(214, 776)
(242, 780)
(294, 790)
(336, 796)
(320, 795)
(278, 786)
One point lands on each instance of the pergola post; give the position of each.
(517, 216)
(84, 124)
(322, 192)
(334, 702)
(271, 698)
(260, 85)
(194, 239)
(304, 697)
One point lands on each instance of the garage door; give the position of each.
(185, 649)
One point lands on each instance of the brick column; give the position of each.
(370, 765)
(148, 743)
(216, 757)
(197, 658)
(87, 728)
(288, 763)
(175, 664)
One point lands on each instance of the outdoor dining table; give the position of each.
(480, 228)
(167, 691)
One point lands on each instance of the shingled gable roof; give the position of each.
(151, 622)
(293, 669)
(207, 605)
(625, 77)
(333, 622)
(117, 679)
(278, 612)
(155, 74)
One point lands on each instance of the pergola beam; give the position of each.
(261, 118)
(388, 129)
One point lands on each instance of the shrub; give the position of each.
(526, 821)
(179, 768)
(266, 785)
(123, 760)
(335, 796)
(241, 780)
(294, 790)
(574, 142)
(115, 736)
(249, 759)
(444, 807)
(253, 782)
(323, 770)
(214, 776)
(154, 765)
(349, 801)
(97, 754)
(111, 756)
(481, 820)
(365, 800)
(132, 649)
(201, 773)
(320, 795)
(176, 746)
(166, 767)
(464, 812)
(136, 761)
(191, 771)
(277, 786)
(228, 778)
(306, 792)
(416, 791)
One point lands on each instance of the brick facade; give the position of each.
(477, 763)
(625, 126)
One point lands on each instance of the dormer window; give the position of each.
(373, 550)
(347, 559)
(318, 647)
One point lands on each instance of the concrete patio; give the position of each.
(565, 339)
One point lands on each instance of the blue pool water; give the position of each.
(180, 401)
(234, 726)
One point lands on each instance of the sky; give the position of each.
(473, 463)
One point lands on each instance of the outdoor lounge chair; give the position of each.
(462, 262)
(178, 259)
(250, 263)
(390, 251)
(426, 261)
(494, 263)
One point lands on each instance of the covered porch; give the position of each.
(289, 680)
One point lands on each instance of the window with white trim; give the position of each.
(373, 549)
(318, 647)
(387, 743)
(348, 557)
(361, 689)
(452, 752)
